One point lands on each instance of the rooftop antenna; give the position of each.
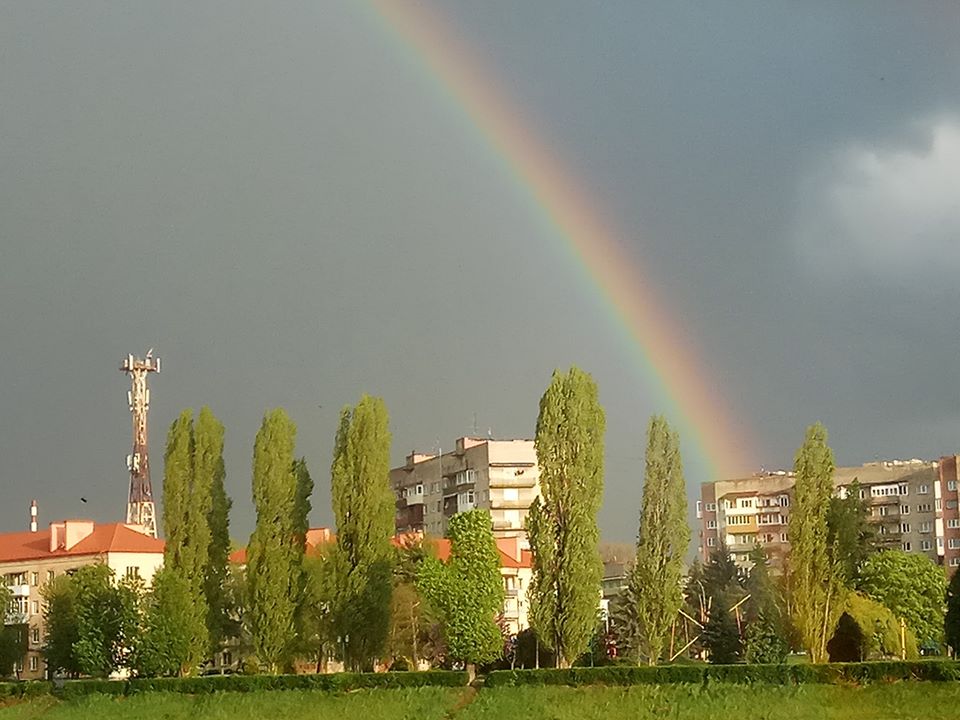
(141, 510)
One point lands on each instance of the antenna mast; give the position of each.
(141, 509)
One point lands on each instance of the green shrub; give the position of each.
(774, 674)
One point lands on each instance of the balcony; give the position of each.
(19, 591)
(508, 480)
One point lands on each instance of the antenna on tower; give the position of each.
(141, 510)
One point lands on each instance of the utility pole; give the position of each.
(141, 510)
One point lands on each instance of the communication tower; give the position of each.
(141, 509)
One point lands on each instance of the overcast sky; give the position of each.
(278, 199)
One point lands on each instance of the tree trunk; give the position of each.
(471, 673)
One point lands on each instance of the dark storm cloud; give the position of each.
(283, 204)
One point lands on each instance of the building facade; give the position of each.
(903, 498)
(501, 476)
(30, 560)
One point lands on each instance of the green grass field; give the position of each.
(898, 701)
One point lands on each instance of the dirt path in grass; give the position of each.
(468, 695)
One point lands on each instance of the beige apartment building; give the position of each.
(905, 499)
(501, 476)
(29, 560)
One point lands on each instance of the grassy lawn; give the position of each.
(412, 704)
(897, 701)
(900, 701)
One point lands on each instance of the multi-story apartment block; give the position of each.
(903, 499)
(947, 514)
(29, 560)
(501, 476)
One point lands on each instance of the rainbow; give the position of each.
(666, 361)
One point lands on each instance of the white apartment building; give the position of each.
(29, 560)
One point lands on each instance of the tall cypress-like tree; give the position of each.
(273, 564)
(363, 506)
(814, 575)
(562, 524)
(662, 541)
(186, 504)
(209, 474)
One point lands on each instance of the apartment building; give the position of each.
(947, 513)
(903, 497)
(29, 560)
(501, 476)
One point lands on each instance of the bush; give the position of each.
(28, 689)
(774, 674)
(252, 683)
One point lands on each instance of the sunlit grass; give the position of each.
(900, 701)
(891, 701)
(412, 704)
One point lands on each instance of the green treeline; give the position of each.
(368, 602)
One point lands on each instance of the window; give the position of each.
(940, 542)
(905, 547)
(904, 509)
(954, 561)
(784, 501)
(34, 663)
(711, 524)
(904, 489)
(465, 477)
(35, 607)
(699, 508)
(419, 489)
(883, 529)
(746, 502)
(35, 635)
(926, 545)
(904, 527)
(439, 505)
(133, 572)
(953, 523)
(35, 579)
(711, 541)
(923, 490)
(783, 537)
(738, 520)
(952, 485)
(954, 543)
(951, 504)
(711, 507)
(924, 507)
(885, 490)
(729, 504)
(435, 487)
(925, 526)
(936, 504)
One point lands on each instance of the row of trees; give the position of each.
(839, 596)
(363, 600)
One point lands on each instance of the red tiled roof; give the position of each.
(113, 537)
(440, 545)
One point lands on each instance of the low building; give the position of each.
(516, 568)
(501, 476)
(30, 560)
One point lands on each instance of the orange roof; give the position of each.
(440, 545)
(113, 537)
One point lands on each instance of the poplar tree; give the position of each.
(363, 506)
(815, 577)
(662, 542)
(192, 459)
(273, 565)
(562, 523)
(468, 590)
(209, 465)
(951, 621)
